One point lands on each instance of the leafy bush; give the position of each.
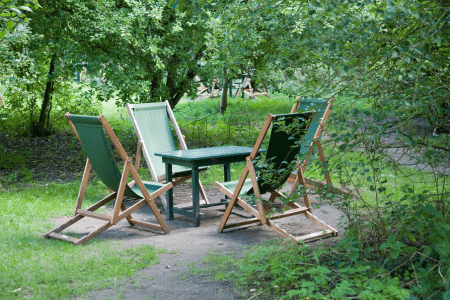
(273, 270)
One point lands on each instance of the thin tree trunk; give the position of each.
(47, 96)
(224, 97)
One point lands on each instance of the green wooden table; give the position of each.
(195, 158)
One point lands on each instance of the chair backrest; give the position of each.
(282, 150)
(97, 148)
(153, 128)
(320, 107)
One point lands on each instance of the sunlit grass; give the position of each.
(34, 267)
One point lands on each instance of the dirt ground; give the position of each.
(186, 245)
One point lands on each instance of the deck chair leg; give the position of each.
(84, 181)
(158, 216)
(227, 213)
(202, 192)
(323, 162)
(271, 200)
(280, 231)
(129, 218)
(61, 227)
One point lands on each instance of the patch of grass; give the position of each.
(378, 181)
(33, 267)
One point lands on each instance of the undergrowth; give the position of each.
(276, 270)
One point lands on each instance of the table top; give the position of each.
(207, 153)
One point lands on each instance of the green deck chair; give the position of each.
(91, 133)
(312, 145)
(152, 127)
(283, 149)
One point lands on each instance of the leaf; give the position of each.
(26, 8)
(323, 270)
(15, 10)
(429, 209)
(10, 25)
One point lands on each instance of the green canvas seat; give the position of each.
(152, 126)
(91, 133)
(279, 162)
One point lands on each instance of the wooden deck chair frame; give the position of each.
(216, 88)
(251, 91)
(202, 90)
(315, 144)
(260, 214)
(116, 216)
(142, 149)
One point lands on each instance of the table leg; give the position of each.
(227, 174)
(195, 196)
(169, 192)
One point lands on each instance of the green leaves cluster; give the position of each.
(13, 12)
(297, 272)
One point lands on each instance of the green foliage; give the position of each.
(205, 127)
(144, 51)
(298, 272)
(49, 269)
(13, 12)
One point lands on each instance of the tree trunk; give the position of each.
(40, 126)
(224, 97)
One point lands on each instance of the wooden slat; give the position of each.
(84, 181)
(288, 213)
(95, 215)
(147, 224)
(113, 138)
(314, 235)
(63, 237)
(149, 198)
(261, 136)
(88, 237)
(246, 222)
(248, 208)
(175, 126)
(121, 190)
(280, 231)
(64, 226)
(256, 192)
(102, 202)
(323, 161)
(320, 223)
(223, 189)
(126, 212)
